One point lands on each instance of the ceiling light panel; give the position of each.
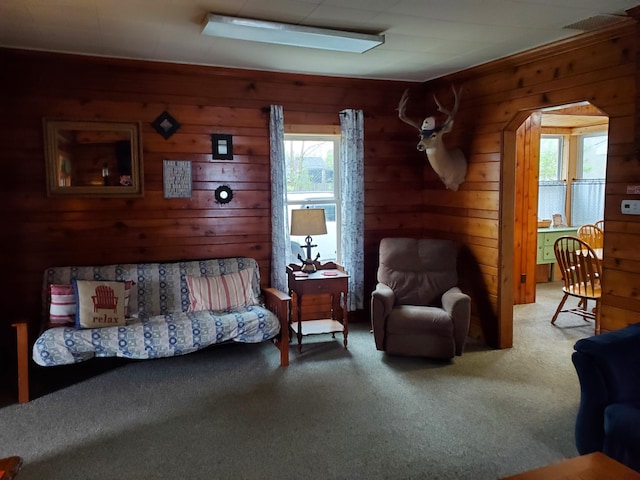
(288, 34)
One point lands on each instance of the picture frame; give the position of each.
(91, 158)
(166, 125)
(221, 146)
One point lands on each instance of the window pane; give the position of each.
(593, 163)
(327, 245)
(311, 182)
(550, 158)
(309, 166)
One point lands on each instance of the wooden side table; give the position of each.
(330, 278)
(594, 466)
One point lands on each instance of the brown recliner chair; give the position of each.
(416, 308)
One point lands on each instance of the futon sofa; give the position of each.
(608, 419)
(168, 309)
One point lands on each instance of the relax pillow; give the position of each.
(62, 308)
(221, 293)
(99, 303)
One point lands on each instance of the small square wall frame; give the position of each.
(221, 146)
(166, 125)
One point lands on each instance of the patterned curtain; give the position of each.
(352, 203)
(587, 201)
(279, 220)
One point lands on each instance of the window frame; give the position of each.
(321, 200)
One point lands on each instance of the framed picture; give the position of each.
(165, 124)
(93, 158)
(221, 146)
(177, 178)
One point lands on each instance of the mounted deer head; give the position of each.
(450, 165)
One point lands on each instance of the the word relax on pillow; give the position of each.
(99, 303)
(62, 307)
(221, 293)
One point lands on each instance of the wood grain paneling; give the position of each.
(41, 232)
(498, 97)
(403, 196)
(526, 207)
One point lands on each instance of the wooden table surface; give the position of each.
(594, 466)
(9, 467)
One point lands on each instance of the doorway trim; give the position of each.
(507, 210)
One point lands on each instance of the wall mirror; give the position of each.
(93, 158)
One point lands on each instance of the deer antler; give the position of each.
(448, 124)
(402, 106)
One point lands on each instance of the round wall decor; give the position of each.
(223, 194)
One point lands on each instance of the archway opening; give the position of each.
(525, 263)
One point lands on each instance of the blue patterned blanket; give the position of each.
(160, 325)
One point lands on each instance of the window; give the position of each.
(592, 156)
(552, 190)
(550, 157)
(579, 165)
(312, 181)
(587, 190)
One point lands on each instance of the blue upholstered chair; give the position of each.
(608, 420)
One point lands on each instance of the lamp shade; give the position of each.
(308, 221)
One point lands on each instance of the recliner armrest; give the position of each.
(385, 298)
(382, 300)
(458, 306)
(605, 365)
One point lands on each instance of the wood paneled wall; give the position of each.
(403, 197)
(39, 231)
(498, 97)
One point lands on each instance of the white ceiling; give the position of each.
(424, 39)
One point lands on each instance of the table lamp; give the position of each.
(307, 222)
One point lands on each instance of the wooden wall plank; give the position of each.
(600, 68)
(58, 231)
(403, 196)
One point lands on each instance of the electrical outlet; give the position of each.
(630, 207)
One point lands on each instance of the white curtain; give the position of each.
(587, 201)
(279, 221)
(552, 195)
(352, 203)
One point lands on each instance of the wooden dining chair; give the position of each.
(591, 234)
(600, 224)
(581, 273)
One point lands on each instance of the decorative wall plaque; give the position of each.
(166, 125)
(223, 194)
(177, 178)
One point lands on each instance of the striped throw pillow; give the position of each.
(221, 293)
(62, 310)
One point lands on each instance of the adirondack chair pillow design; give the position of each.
(99, 304)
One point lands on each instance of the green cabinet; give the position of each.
(546, 238)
